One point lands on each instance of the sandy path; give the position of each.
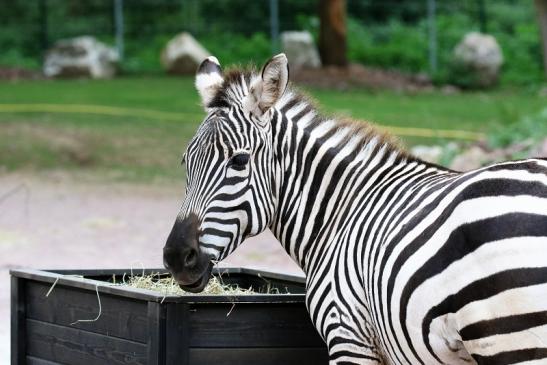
(55, 223)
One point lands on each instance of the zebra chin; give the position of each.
(199, 284)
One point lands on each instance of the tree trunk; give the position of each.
(332, 32)
(541, 8)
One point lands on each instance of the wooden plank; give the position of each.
(252, 325)
(120, 317)
(263, 284)
(273, 275)
(156, 334)
(17, 321)
(177, 334)
(88, 284)
(31, 360)
(107, 273)
(75, 346)
(247, 298)
(262, 356)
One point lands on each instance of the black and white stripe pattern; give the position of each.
(406, 262)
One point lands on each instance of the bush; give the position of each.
(392, 45)
(530, 128)
(238, 49)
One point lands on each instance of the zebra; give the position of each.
(406, 262)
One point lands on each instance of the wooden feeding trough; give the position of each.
(55, 320)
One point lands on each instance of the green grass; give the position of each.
(142, 147)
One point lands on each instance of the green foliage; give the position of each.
(143, 57)
(14, 57)
(239, 49)
(529, 128)
(392, 45)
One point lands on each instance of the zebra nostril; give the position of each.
(191, 258)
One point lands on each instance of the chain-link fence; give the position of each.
(410, 35)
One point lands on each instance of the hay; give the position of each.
(168, 286)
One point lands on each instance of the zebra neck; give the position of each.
(325, 172)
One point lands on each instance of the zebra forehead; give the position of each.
(234, 87)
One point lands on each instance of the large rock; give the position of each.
(81, 57)
(300, 49)
(473, 158)
(480, 55)
(540, 150)
(431, 154)
(183, 54)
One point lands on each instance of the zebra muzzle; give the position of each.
(182, 255)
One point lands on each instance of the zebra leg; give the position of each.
(346, 346)
(345, 327)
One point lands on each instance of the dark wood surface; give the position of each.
(74, 346)
(87, 284)
(17, 322)
(31, 360)
(261, 356)
(120, 317)
(251, 325)
(177, 334)
(156, 333)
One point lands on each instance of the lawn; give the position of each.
(136, 128)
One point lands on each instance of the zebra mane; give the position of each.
(236, 84)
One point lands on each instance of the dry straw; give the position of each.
(168, 286)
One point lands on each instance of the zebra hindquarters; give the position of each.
(509, 325)
(499, 317)
(478, 289)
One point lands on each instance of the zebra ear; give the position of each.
(208, 79)
(266, 90)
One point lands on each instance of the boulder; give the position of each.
(300, 49)
(480, 56)
(473, 158)
(540, 150)
(431, 154)
(82, 56)
(183, 54)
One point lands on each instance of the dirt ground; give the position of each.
(53, 222)
(356, 75)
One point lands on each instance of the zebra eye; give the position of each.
(239, 161)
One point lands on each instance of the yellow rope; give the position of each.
(435, 133)
(179, 116)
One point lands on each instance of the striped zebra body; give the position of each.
(406, 262)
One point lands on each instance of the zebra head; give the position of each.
(230, 192)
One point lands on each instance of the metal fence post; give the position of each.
(274, 25)
(118, 24)
(44, 36)
(432, 33)
(482, 16)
